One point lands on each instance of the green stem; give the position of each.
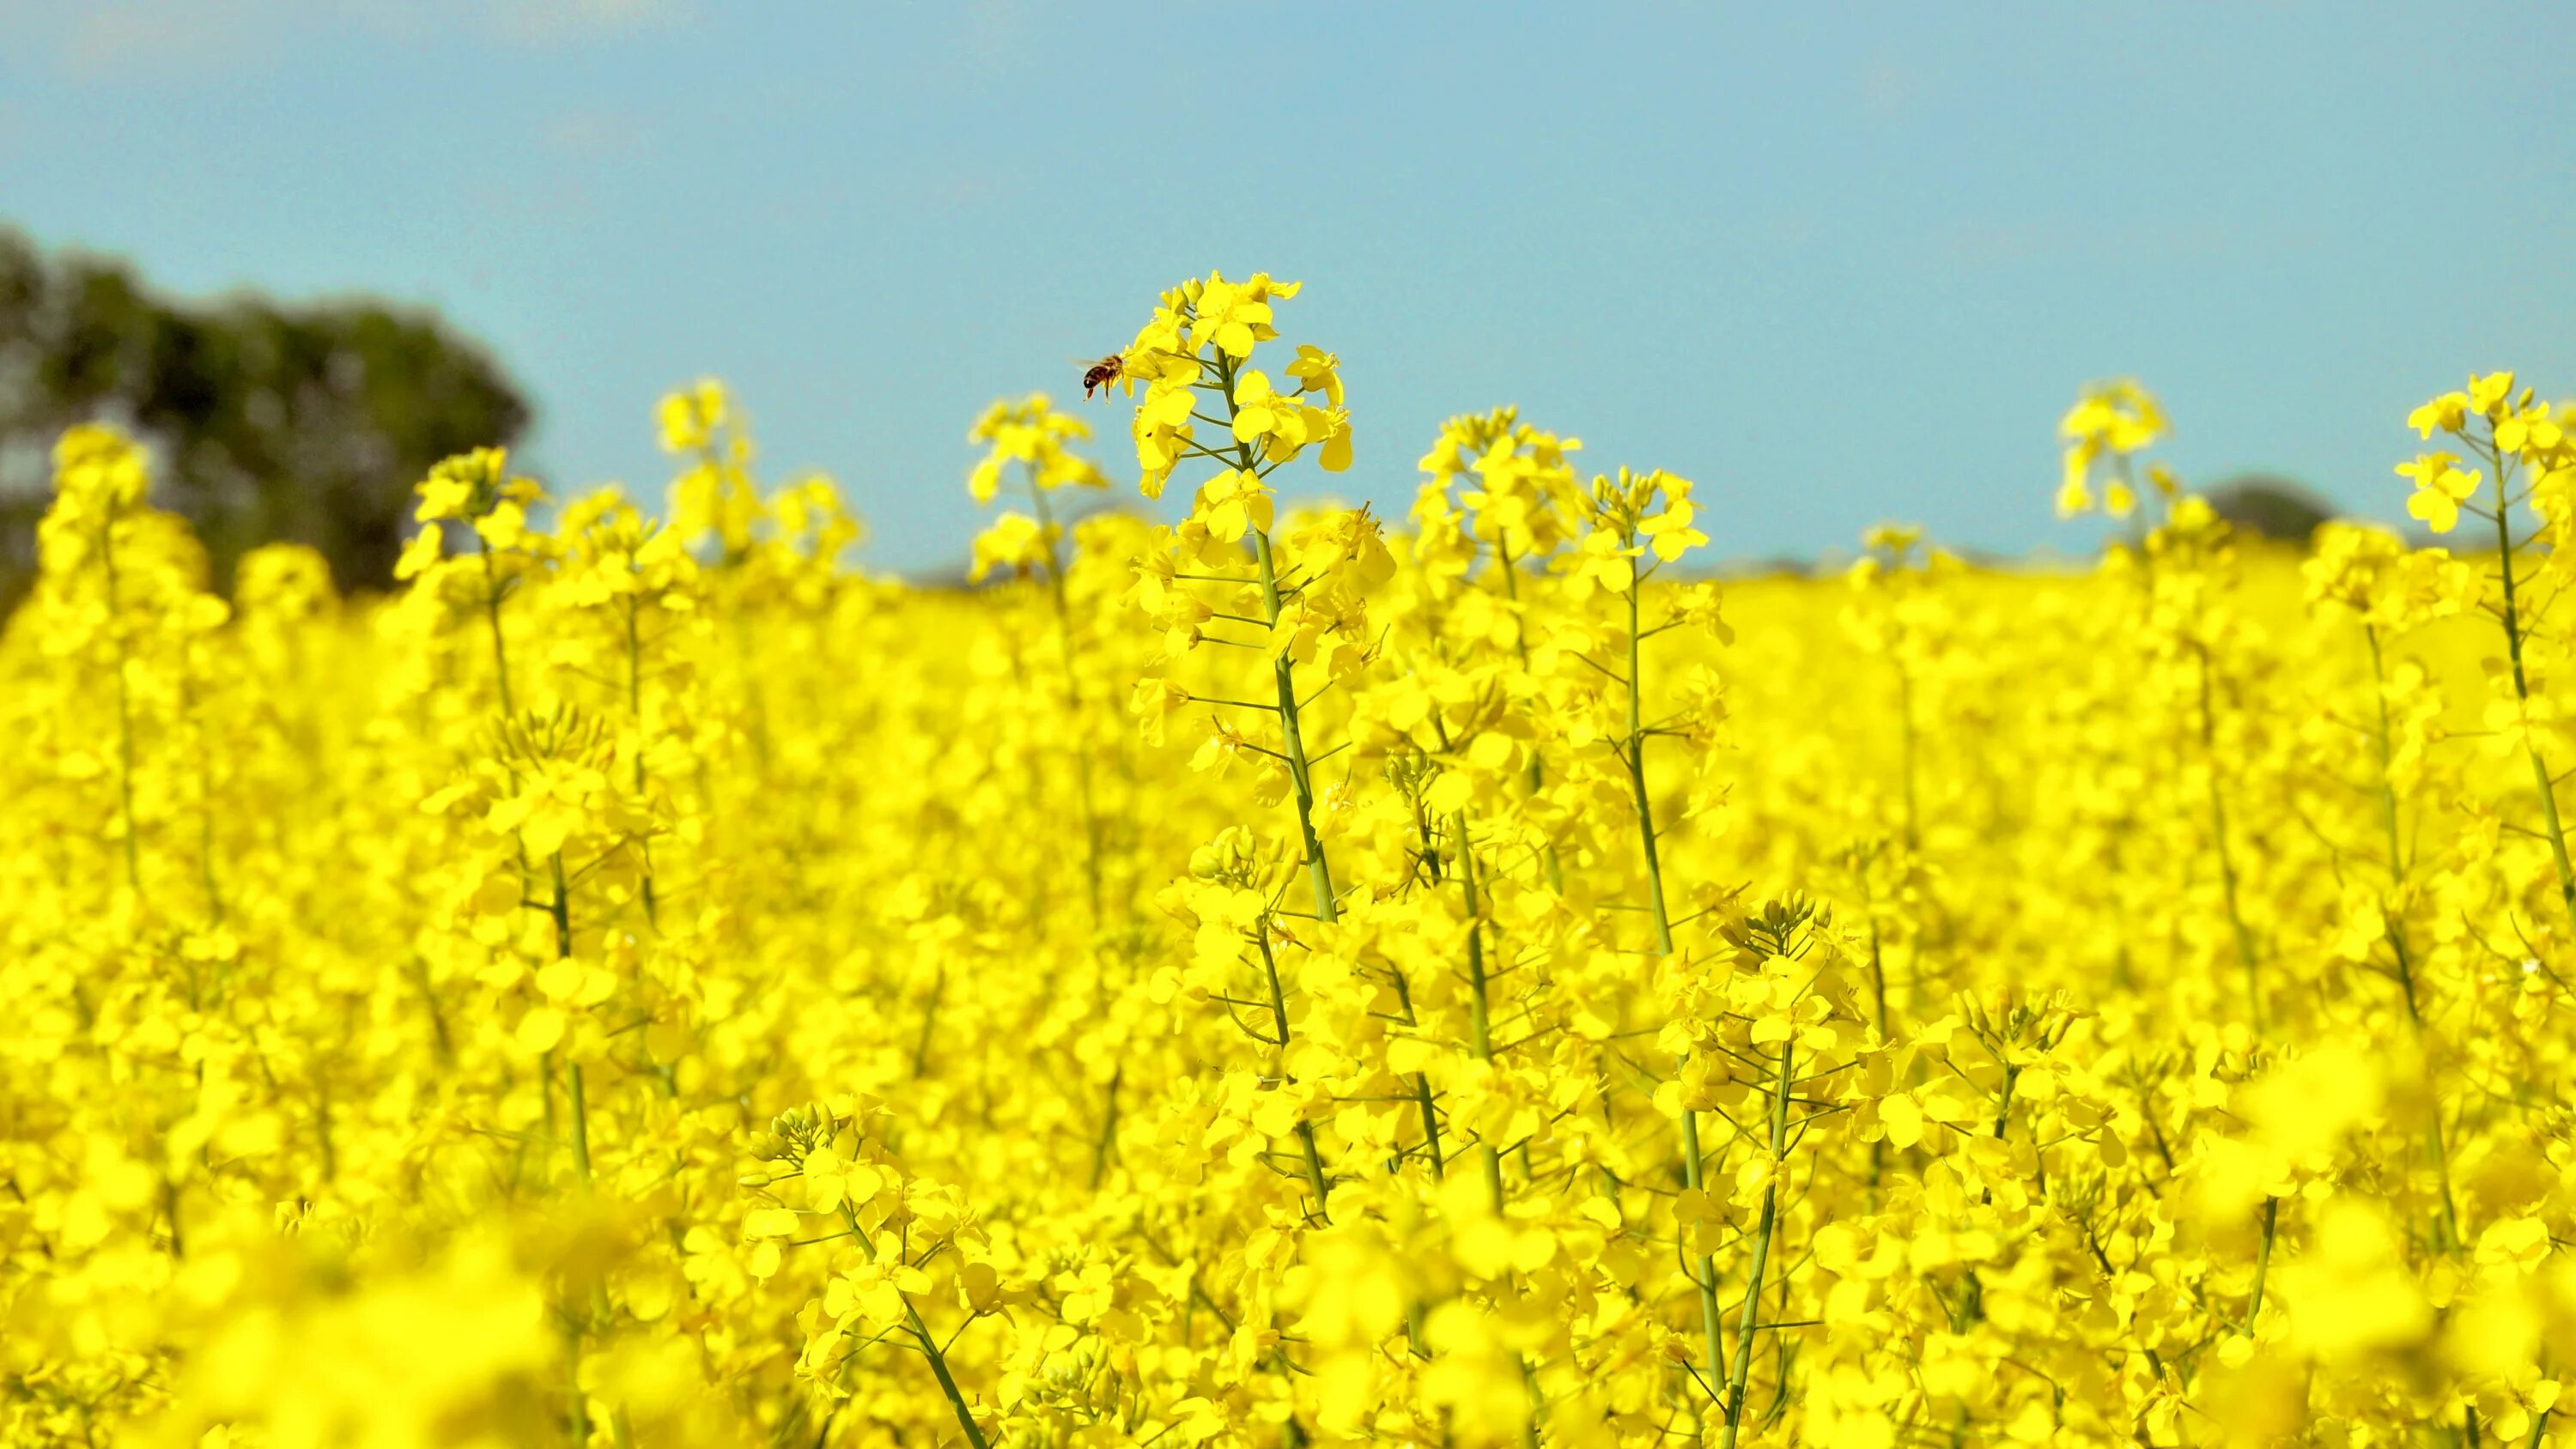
(1479, 1004)
(322, 1127)
(1284, 675)
(947, 1380)
(2397, 928)
(1877, 950)
(1712, 1317)
(1315, 1177)
(443, 1044)
(205, 803)
(578, 1402)
(2226, 857)
(2387, 787)
(2522, 687)
(1636, 752)
(1878, 999)
(2262, 1262)
(546, 1092)
(580, 1126)
(1319, 872)
(1422, 1080)
(561, 909)
(924, 1339)
(1480, 1023)
(929, 1022)
(1430, 1123)
(1762, 1233)
(1107, 1141)
(1537, 773)
(1055, 576)
(1293, 738)
(170, 1207)
(1706, 1270)
(1905, 713)
(492, 616)
(635, 709)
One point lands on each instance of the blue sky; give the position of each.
(1837, 263)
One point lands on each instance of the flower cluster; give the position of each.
(1246, 974)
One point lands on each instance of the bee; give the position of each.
(1102, 375)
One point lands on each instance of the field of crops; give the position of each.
(1289, 976)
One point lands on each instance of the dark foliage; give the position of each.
(308, 422)
(2270, 506)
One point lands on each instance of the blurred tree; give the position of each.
(2271, 506)
(308, 422)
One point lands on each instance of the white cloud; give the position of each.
(161, 39)
(587, 133)
(554, 22)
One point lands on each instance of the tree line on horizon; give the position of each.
(303, 421)
(311, 421)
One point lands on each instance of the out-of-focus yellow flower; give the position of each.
(688, 418)
(2441, 487)
(1282, 973)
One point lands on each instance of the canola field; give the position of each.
(1260, 974)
